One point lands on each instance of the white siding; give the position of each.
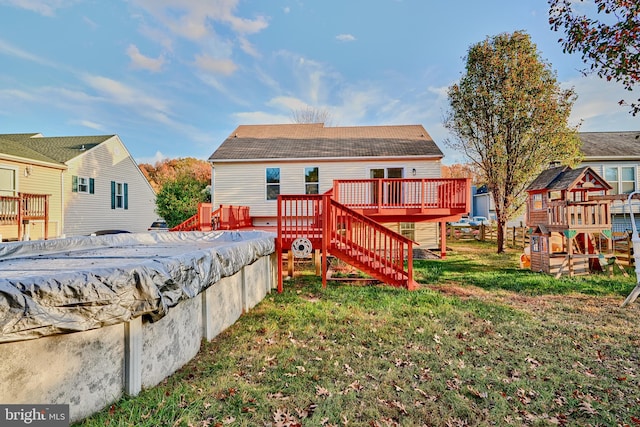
(86, 213)
(617, 207)
(245, 183)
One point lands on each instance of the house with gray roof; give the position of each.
(93, 184)
(616, 157)
(256, 163)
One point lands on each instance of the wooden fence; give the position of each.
(514, 237)
(517, 237)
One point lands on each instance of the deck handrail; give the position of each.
(24, 207)
(226, 217)
(403, 193)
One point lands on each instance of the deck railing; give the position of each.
(300, 216)
(25, 207)
(425, 193)
(223, 218)
(231, 217)
(336, 229)
(584, 214)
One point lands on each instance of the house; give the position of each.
(256, 163)
(92, 183)
(616, 157)
(569, 215)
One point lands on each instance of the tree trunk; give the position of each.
(500, 235)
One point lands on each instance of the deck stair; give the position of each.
(352, 237)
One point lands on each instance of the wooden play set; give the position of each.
(569, 215)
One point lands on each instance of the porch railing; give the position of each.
(223, 218)
(425, 193)
(25, 207)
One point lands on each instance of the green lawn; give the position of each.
(480, 343)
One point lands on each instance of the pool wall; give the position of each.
(91, 369)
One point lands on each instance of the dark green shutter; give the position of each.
(74, 183)
(126, 195)
(113, 194)
(91, 186)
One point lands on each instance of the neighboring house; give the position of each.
(616, 157)
(256, 163)
(94, 182)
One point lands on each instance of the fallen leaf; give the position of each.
(321, 391)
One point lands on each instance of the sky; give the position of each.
(174, 78)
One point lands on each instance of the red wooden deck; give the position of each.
(406, 200)
(345, 222)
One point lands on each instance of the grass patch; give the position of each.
(480, 343)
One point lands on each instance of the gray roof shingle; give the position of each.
(298, 141)
(612, 145)
(48, 149)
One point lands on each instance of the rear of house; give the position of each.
(616, 157)
(256, 163)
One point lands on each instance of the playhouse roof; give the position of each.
(563, 178)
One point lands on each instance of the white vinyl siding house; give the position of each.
(93, 181)
(117, 197)
(242, 178)
(616, 157)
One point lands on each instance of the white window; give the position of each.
(273, 183)
(119, 195)
(82, 184)
(536, 201)
(311, 181)
(621, 178)
(7, 182)
(408, 230)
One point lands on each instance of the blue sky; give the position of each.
(173, 78)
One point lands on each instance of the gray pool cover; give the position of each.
(75, 284)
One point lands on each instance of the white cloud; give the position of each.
(158, 157)
(261, 117)
(192, 18)
(215, 65)
(248, 48)
(345, 37)
(9, 49)
(91, 125)
(287, 103)
(286, 9)
(145, 105)
(597, 105)
(140, 61)
(43, 7)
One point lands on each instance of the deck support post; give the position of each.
(443, 240)
(290, 263)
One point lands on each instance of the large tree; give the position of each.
(178, 199)
(609, 45)
(508, 116)
(180, 185)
